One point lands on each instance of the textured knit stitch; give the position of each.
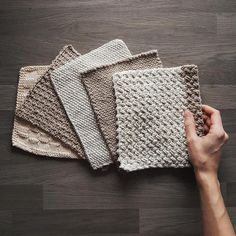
(150, 105)
(74, 98)
(42, 107)
(98, 83)
(27, 136)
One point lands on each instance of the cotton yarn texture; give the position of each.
(73, 96)
(42, 106)
(107, 107)
(150, 106)
(27, 136)
(98, 83)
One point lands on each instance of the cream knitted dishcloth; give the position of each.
(98, 83)
(27, 136)
(150, 105)
(43, 109)
(73, 96)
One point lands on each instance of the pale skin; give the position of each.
(205, 154)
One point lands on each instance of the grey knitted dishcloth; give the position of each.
(98, 83)
(27, 136)
(43, 109)
(72, 94)
(150, 106)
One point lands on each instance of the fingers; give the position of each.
(208, 109)
(226, 137)
(206, 129)
(214, 115)
(207, 120)
(214, 122)
(189, 123)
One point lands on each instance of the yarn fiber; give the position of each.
(150, 106)
(108, 106)
(43, 109)
(27, 136)
(98, 83)
(68, 85)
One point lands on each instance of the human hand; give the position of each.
(205, 151)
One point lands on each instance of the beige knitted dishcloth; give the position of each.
(150, 106)
(98, 83)
(27, 136)
(43, 109)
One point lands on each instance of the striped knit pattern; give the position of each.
(150, 106)
(98, 83)
(43, 109)
(27, 136)
(73, 96)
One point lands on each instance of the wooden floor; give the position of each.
(43, 196)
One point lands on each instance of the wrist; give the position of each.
(209, 188)
(204, 178)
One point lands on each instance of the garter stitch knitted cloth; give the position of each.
(42, 107)
(74, 98)
(27, 136)
(98, 83)
(150, 105)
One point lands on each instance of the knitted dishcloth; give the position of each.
(73, 96)
(150, 106)
(27, 136)
(98, 83)
(42, 107)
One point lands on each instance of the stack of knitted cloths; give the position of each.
(106, 107)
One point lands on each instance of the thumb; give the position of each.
(189, 124)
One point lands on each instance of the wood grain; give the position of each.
(74, 222)
(44, 196)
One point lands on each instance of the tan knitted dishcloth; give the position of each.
(43, 109)
(98, 83)
(27, 136)
(150, 105)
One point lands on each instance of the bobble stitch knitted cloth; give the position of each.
(27, 136)
(74, 98)
(150, 105)
(98, 83)
(43, 109)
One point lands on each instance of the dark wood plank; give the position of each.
(5, 220)
(160, 5)
(231, 194)
(228, 118)
(227, 169)
(185, 25)
(226, 24)
(131, 194)
(76, 222)
(213, 94)
(6, 123)
(170, 222)
(7, 96)
(232, 214)
(226, 6)
(20, 197)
